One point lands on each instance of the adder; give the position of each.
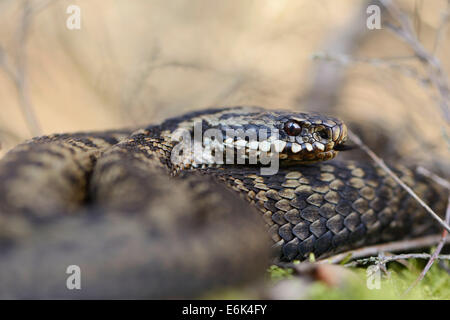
(145, 216)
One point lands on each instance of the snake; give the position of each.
(192, 204)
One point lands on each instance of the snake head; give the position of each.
(252, 131)
(296, 137)
(311, 137)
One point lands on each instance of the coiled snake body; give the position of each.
(140, 222)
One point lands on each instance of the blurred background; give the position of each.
(137, 62)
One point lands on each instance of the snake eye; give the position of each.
(292, 128)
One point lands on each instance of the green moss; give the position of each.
(276, 273)
(435, 285)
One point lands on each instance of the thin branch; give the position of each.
(417, 18)
(19, 74)
(435, 253)
(382, 259)
(381, 163)
(328, 78)
(396, 246)
(22, 79)
(439, 180)
(387, 62)
(440, 34)
(436, 72)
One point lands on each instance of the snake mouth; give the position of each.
(344, 147)
(315, 155)
(307, 157)
(287, 151)
(307, 152)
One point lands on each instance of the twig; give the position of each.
(18, 75)
(441, 181)
(441, 29)
(381, 163)
(328, 78)
(435, 253)
(22, 80)
(382, 259)
(387, 62)
(396, 246)
(417, 19)
(436, 73)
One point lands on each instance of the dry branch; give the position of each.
(382, 165)
(328, 77)
(435, 253)
(396, 246)
(19, 73)
(439, 180)
(440, 34)
(434, 67)
(382, 259)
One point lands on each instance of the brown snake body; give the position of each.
(140, 223)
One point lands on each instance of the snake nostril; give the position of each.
(324, 134)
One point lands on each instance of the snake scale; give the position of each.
(141, 225)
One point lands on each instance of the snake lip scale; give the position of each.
(293, 137)
(139, 224)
